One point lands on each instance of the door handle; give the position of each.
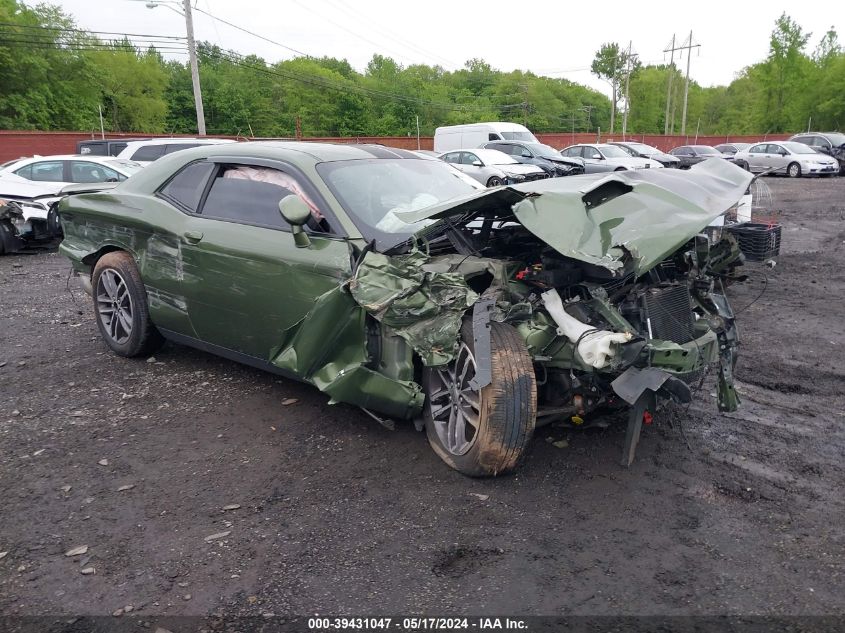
(193, 236)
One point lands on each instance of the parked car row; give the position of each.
(30, 188)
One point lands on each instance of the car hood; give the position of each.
(603, 220)
(519, 169)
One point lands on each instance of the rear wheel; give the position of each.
(120, 305)
(794, 170)
(743, 165)
(482, 433)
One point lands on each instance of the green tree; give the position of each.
(609, 64)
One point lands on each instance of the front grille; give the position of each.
(669, 312)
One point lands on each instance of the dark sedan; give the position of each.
(693, 154)
(545, 157)
(641, 150)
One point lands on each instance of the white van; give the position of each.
(472, 135)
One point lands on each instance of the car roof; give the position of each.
(93, 158)
(178, 139)
(320, 152)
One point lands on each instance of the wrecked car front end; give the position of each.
(616, 285)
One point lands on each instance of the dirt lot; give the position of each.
(720, 514)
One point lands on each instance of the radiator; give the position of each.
(669, 312)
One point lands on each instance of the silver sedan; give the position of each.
(491, 167)
(600, 157)
(794, 159)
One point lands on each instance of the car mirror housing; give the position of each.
(477, 163)
(596, 156)
(296, 213)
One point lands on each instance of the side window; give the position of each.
(572, 152)
(819, 141)
(82, 171)
(468, 158)
(452, 157)
(24, 172)
(116, 148)
(757, 149)
(186, 187)
(251, 195)
(48, 171)
(169, 149)
(499, 147)
(591, 152)
(522, 152)
(493, 137)
(148, 152)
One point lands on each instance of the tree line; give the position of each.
(58, 77)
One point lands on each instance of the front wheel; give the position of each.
(482, 433)
(120, 306)
(794, 170)
(494, 181)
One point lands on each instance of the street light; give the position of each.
(192, 54)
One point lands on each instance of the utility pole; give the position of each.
(689, 48)
(628, 69)
(195, 71)
(669, 89)
(192, 52)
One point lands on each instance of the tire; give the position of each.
(621, 169)
(793, 170)
(505, 410)
(494, 181)
(743, 165)
(121, 308)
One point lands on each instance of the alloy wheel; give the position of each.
(114, 306)
(455, 405)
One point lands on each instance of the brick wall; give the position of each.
(14, 144)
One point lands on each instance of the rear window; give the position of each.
(175, 147)
(148, 152)
(186, 187)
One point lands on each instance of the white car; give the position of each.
(790, 157)
(69, 169)
(145, 152)
(601, 157)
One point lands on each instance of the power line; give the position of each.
(248, 32)
(86, 32)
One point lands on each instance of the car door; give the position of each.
(469, 167)
(779, 158)
(756, 157)
(594, 160)
(247, 285)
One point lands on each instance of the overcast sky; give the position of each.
(557, 39)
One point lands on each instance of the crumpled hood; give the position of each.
(598, 218)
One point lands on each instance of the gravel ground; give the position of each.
(197, 492)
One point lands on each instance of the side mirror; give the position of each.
(477, 163)
(296, 213)
(596, 156)
(783, 152)
(526, 154)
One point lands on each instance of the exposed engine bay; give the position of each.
(624, 327)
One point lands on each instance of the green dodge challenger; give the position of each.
(389, 281)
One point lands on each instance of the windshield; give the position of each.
(611, 151)
(836, 138)
(373, 191)
(494, 157)
(519, 136)
(642, 148)
(706, 149)
(545, 151)
(798, 148)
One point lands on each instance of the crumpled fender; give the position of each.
(328, 348)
